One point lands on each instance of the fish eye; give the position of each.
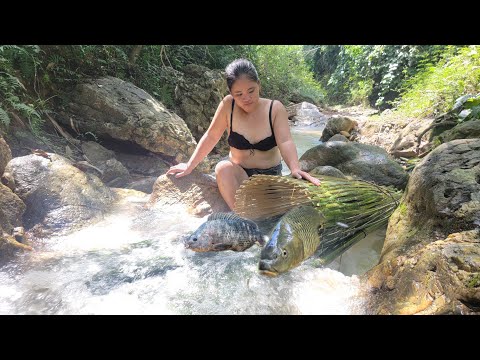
(194, 239)
(284, 253)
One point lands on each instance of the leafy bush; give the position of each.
(377, 73)
(284, 74)
(434, 90)
(17, 63)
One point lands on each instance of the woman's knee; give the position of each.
(224, 167)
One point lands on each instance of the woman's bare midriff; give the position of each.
(259, 160)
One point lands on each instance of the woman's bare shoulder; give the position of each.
(227, 99)
(278, 107)
(225, 104)
(277, 104)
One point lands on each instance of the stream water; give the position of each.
(134, 262)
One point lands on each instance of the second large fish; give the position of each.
(225, 231)
(295, 238)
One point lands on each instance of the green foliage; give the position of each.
(472, 102)
(17, 63)
(159, 65)
(34, 118)
(4, 118)
(474, 280)
(322, 60)
(211, 56)
(165, 94)
(284, 74)
(29, 74)
(67, 64)
(471, 109)
(360, 91)
(434, 90)
(354, 73)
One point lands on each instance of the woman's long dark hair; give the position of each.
(238, 68)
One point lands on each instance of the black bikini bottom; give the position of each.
(276, 170)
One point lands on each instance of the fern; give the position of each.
(27, 110)
(4, 118)
(12, 99)
(15, 82)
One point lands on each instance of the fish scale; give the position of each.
(309, 238)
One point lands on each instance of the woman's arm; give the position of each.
(206, 143)
(285, 143)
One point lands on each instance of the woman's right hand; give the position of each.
(179, 169)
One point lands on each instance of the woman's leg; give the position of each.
(229, 177)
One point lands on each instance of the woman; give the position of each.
(259, 135)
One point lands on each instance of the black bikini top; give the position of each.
(238, 141)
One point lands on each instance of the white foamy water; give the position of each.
(134, 262)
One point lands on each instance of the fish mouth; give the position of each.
(268, 273)
(199, 250)
(193, 245)
(267, 269)
(190, 247)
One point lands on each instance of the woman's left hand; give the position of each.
(299, 174)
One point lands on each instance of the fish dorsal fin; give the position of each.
(224, 216)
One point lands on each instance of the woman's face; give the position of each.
(246, 93)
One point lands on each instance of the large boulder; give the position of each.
(338, 125)
(443, 195)
(406, 143)
(114, 173)
(112, 108)
(5, 155)
(11, 209)
(400, 136)
(466, 130)
(366, 162)
(430, 261)
(58, 196)
(440, 278)
(197, 192)
(144, 165)
(197, 95)
(9, 246)
(306, 114)
(327, 171)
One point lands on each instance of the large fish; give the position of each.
(225, 231)
(296, 237)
